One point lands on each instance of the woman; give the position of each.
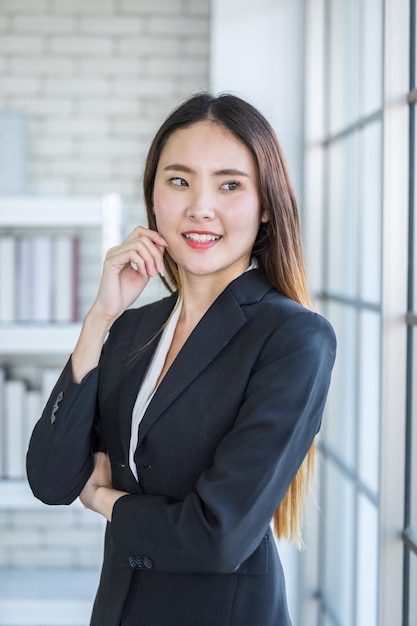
(189, 428)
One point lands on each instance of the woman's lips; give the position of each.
(201, 240)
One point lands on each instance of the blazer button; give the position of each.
(139, 562)
(132, 561)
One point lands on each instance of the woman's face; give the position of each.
(207, 202)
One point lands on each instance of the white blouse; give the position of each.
(149, 384)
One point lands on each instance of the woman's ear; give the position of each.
(264, 217)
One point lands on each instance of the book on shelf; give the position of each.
(32, 414)
(65, 279)
(24, 279)
(13, 442)
(2, 419)
(39, 278)
(7, 278)
(42, 278)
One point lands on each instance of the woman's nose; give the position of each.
(201, 206)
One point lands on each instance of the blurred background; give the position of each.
(84, 85)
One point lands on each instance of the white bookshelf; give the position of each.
(35, 343)
(37, 339)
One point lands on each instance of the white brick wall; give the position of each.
(95, 78)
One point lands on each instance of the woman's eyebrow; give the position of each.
(179, 167)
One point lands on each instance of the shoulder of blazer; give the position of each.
(267, 308)
(252, 288)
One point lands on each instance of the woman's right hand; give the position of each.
(126, 271)
(120, 285)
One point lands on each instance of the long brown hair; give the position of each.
(278, 245)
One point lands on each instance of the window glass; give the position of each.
(367, 564)
(313, 216)
(415, 46)
(342, 83)
(412, 607)
(370, 212)
(413, 486)
(371, 57)
(369, 398)
(341, 235)
(413, 251)
(339, 422)
(339, 546)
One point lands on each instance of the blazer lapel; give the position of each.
(217, 327)
(135, 366)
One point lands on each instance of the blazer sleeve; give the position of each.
(60, 456)
(215, 528)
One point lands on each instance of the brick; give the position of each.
(23, 6)
(42, 65)
(83, 6)
(148, 46)
(196, 47)
(181, 25)
(44, 24)
(22, 44)
(151, 6)
(111, 25)
(197, 7)
(77, 126)
(187, 67)
(4, 65)
(108, 66)
(144, 87)
(109, 106)
(111, 147)
(76, 86)
(11, 85)
(58, 558)
(41, 106)
(4, 518)
(158, 109)
(90, 558)
(133, 126)
(132, 168)
(81, 46)
(73, 537)
(48, 187)
(12, 538)
(98, 186)
(85, 517)
(187, 87)
(51, 146)
(87, 168)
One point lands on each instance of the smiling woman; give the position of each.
(194, 424)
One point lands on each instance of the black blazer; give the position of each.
(218, 446)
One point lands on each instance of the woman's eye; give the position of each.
(179, 182)
(231, 185)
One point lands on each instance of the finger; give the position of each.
(153, 235)
(141, 253)
(152, 255)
